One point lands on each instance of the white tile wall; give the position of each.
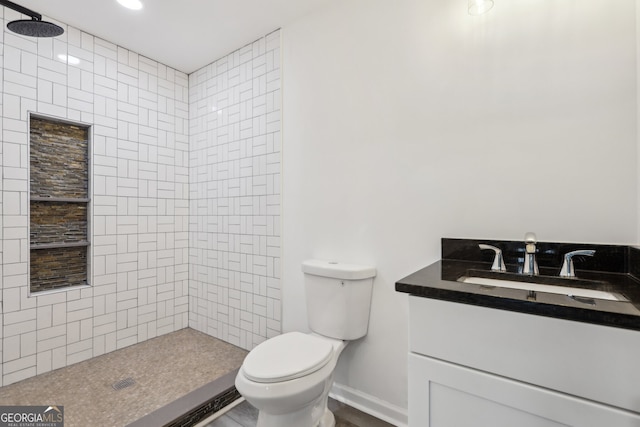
(139, 110)
(141, 114)
(2, 222)
(234, 287)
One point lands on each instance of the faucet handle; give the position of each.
(498, 261)
(530, 265)
(530, 241)
(567, 269)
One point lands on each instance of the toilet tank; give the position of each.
(338, 298)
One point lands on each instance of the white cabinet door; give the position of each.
(442, 394)
(597, 363)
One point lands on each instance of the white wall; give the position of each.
(404, 122)
(139, 112)
(408, 121)
(234, 106)
(638, 108)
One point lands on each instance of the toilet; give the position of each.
(288, 377)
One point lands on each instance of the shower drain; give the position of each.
(127, 382)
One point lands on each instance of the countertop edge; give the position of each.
(427, 283)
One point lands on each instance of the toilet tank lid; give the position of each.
(338, 270)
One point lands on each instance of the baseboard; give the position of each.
(371, 405)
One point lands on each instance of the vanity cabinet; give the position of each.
(472, 366)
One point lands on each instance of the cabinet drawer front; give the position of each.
(444, 395)
(591, 361)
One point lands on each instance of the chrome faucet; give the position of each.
(567, 269)
(530, 264)
(498, 260)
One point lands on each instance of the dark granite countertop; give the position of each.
(611, 270)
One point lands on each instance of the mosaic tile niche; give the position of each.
(59, 189)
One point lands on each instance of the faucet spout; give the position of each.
(530, 264)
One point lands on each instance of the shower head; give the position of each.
(34, 27)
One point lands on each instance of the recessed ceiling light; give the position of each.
(131, 4)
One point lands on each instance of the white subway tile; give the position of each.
(140, 111)
(11, 348)
(110, 342)
(19, 370)
(99, 345)
(73, 332)
(79, 347)
(73, 37)
(59, 313)
(20, 90)
(28, 344)
(52, 70)
(12, 58)
(45, 91)
(21, 316)
(77, 315)
(59, 357)
(51, 109)
(104, 48)
(20, 42)
(86, 41)
(73, 78)
(45, 48)
(44, 317)
(51, 343)
(59, 94)
(43, 361)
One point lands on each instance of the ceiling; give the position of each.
(183, 34)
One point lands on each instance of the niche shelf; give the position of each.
(59, 245)
(60, 199)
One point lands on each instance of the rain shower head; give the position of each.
(34, 27)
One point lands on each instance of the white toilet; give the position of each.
(288, 377)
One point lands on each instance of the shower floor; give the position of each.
(163, 370)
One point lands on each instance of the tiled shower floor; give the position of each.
(164, 369)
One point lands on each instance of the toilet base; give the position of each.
(328, 419)
(309, 416)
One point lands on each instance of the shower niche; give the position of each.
(58, 204)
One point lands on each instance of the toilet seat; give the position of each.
(286, 357)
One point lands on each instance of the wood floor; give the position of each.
(245, 415)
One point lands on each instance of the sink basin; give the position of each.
(554, 289)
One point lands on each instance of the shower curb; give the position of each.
(195, 406)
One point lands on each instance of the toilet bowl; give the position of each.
(288, 377)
